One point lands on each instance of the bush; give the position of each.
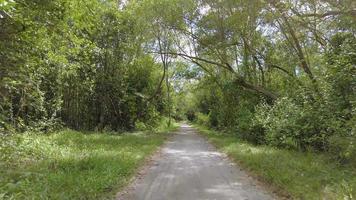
(256, 134)
(213, 119)
(279, 121)
(299, 124)
(140, 126)
(163, 123)
(343, 149)
(190, 115)
(202, 119)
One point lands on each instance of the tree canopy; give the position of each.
(275, 72)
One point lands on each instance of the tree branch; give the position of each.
(329, 13)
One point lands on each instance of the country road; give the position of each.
(189, 168)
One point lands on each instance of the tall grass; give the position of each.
(299, 175)
(70, 164)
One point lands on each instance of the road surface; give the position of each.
(189, 168)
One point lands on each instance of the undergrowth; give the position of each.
(72, 165)
(299, 175)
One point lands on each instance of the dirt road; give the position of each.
(189, 168)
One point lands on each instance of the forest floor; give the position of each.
(188, 167)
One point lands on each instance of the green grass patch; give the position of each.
(70, 164)
(302, 175)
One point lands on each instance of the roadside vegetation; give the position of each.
(277, 74)
(293, 174)
(73, 165)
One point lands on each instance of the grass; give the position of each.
(297, 175)
(70, 164)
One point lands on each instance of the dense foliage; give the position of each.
(272, 72)
(77, 63)
(275, 73)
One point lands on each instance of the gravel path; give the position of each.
(189, 168)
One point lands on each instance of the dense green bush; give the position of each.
(301, 123)
(202, 119)
(190, 115)
(343, 148)
(280, 122)
(140, 126)
(303, 120)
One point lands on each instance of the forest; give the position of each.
(90, 88)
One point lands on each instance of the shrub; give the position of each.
(255, 134)
(190, 115)
(343, 148)
(213, 119)
(298, 123)
(202, 119)
(279, 121)
(140, 126)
